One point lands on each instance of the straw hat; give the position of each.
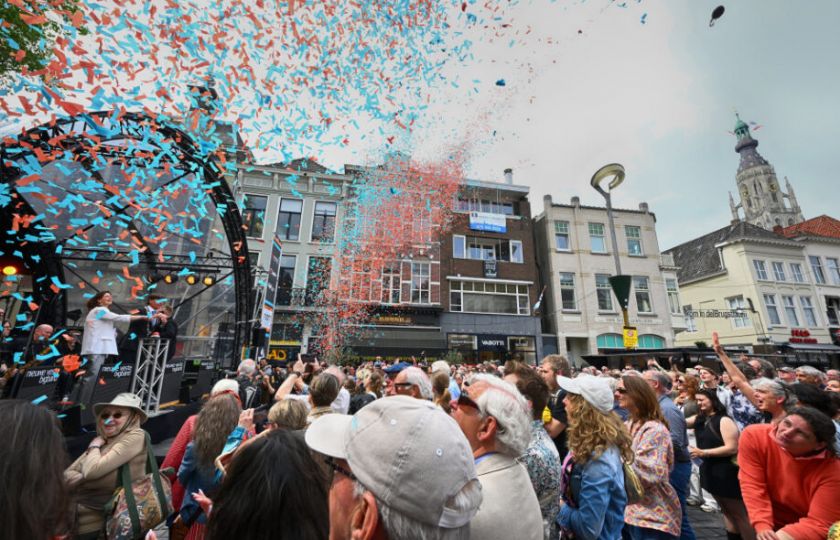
(126, 400)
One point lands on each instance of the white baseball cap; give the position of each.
(595, 390)
(410, 454)
(441, 365)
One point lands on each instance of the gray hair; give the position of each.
(247, 367)
(776, 388)
(811, 372)
(225, 385)
(663, 379)
(416, 377)
(502, 401)
(398, 526)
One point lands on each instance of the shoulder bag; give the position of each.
(138, 506)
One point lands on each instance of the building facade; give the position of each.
(580, 313)
(488, 274)
(301, 204)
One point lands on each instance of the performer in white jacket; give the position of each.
(99, 340)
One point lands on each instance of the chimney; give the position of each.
(643, 206)
(547, 202)
(508, 176)
(575, 201)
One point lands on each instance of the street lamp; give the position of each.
(614, 172)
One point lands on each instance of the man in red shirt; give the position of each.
(790, 476)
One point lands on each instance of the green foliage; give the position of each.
(35, 40)
(701, 345)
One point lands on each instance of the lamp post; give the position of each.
(614, 172)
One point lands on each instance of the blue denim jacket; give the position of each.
(598, 492)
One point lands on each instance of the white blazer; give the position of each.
(100, 336)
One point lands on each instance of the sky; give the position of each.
(658, 97)
(551, 88)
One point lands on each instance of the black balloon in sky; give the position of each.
(716, 14)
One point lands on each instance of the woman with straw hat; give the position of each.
(94, 476)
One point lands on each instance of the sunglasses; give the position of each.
(465, 401)
(403, 384)
(621, 390)
(115, 416)
(336, 468)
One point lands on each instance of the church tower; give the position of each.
(762, 200)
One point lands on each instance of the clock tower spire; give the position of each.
(762, 200)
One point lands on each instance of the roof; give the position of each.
(823, 225)
(699, 258)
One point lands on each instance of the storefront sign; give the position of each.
(800, 335)
(492, 342)
(483, 221)
(396, 320)
(267, 316)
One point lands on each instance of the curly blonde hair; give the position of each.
(592, 432)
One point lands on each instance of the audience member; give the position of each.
(272, 489)
(681, 473)
(658, 515)
(440, 389)
(288, 414)
(120, 441)
(552, 367)
(33, 495)
(592, 489)
(540, 457)
(717, 443)
(790, 476)
(412, 381)
(493, 416)
(402, 470)
(197, 472)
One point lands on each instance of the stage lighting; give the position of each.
(191, 279)
(10, 270)
(170, 278)
(209, 280)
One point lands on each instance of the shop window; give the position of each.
(610, 341)
(650, 341)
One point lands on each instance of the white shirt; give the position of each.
(341, 404)
(100, 336)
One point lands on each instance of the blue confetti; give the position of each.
(39, 400)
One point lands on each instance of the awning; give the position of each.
(811, 347)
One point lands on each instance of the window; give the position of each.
(561, 236)
(772, 311)
(488, 249)
(604, 291)
(489, 297)
(391, 283)
(253, 215)
(323, 222)
(516, 255)
(490, 207)
(288, 220)
(760, 270)
(796, 271)
(833, 270)
(317, 278)
(421, 285)
(690, 321)
(634, 240)
(808, 311)
(597, 241)
(790, 311)
(285, 280)
(779, 271)
(673, 295)
(737, 304)
(642, 289)
(567, 291)
(816, 267)
(459, 246)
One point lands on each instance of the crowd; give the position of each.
(410, 451)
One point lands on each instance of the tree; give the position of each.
(28, 31)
